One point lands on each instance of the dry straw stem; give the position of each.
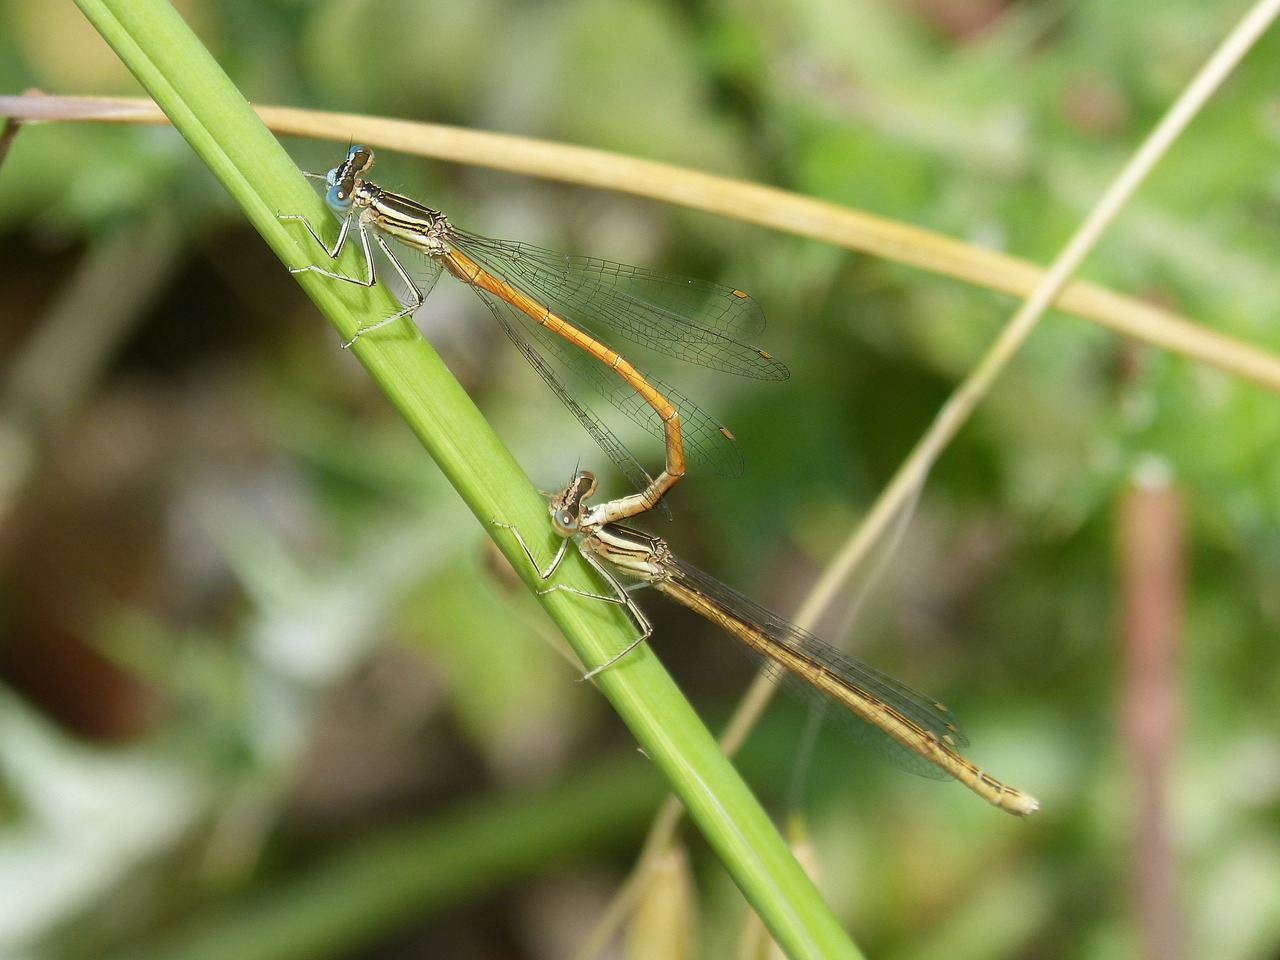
(907, 482)
(734, 199)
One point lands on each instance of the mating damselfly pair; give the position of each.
(573, 309)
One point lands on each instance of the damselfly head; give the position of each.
(568, 506)
(344, 179)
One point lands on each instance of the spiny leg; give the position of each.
(620, 595)
(415, 292)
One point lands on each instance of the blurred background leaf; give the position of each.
(248, 629)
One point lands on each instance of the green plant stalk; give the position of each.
(207, 109)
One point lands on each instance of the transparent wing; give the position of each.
(405, 270)
(931, 717)
(706, 440)
(408, 274)
(690, 319)
(694, 320)
(603, 436)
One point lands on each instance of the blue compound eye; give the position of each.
(337, 199)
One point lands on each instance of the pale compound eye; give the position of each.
(337, 198)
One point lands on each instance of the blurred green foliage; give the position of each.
(291, 638)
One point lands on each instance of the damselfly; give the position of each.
(915, 731)
(571, 306)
